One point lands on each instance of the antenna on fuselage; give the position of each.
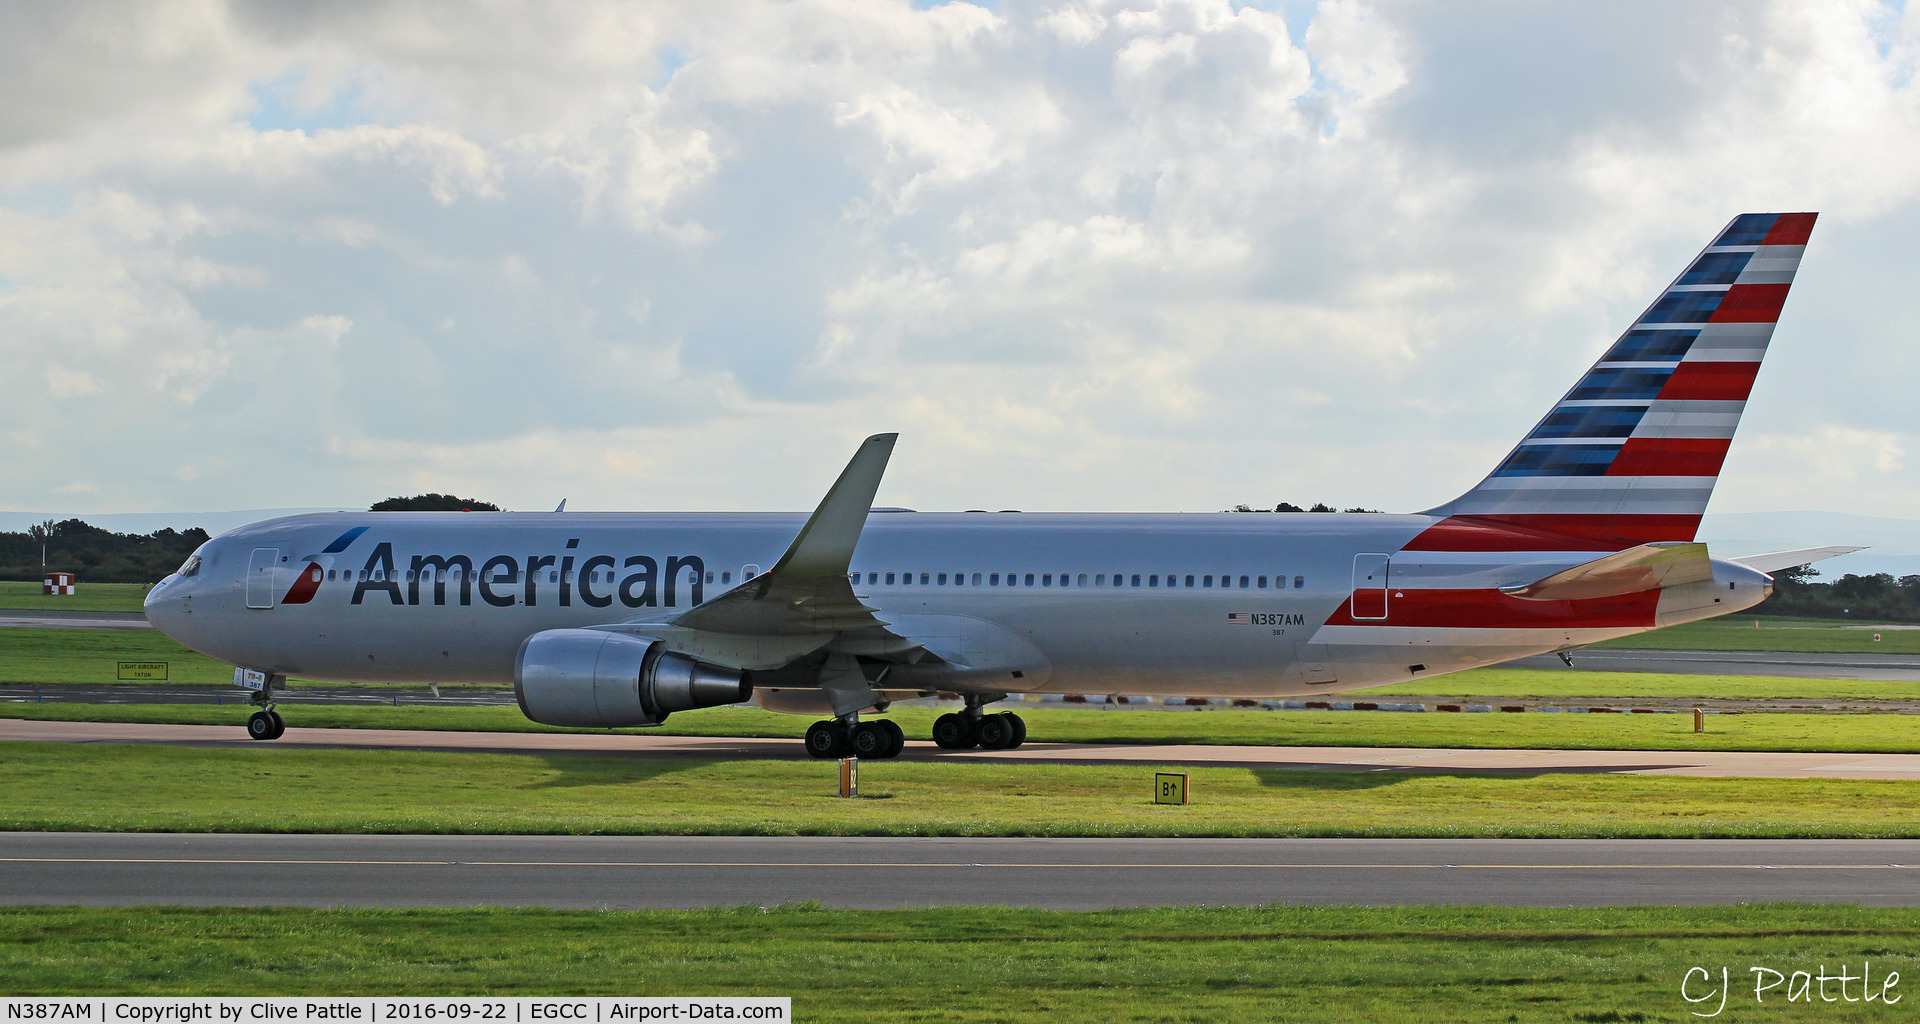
(563, 506)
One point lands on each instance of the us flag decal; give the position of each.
(1238, 618)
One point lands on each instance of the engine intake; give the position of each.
(602, 680)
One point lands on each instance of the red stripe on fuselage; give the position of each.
(1551, 532)
(303, 588)
(1751, 304)
(1490, 609)
(1670, 456)
(1709, 382)
(1791, 229)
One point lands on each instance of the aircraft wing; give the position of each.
(805, 602)
(1774, 561)
(1646, 567)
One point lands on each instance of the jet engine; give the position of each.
(598, 679)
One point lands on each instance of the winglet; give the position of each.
(825, 545)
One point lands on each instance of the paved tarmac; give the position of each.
(1705, 764)
(616, 872)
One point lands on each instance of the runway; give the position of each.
(48, 618)
(112, 869)
(1707, 764)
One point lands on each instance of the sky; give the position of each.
(1128, 255)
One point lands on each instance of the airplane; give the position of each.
(1584, 533)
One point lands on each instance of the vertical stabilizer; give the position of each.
(1630, 455)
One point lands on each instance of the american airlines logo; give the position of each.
(1265, 619)
(636, 581)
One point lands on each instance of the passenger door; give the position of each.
(260, 577)
(1370, 586)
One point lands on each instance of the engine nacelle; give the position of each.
(601, 680)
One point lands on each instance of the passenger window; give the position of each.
(1153, 580)
(1206, 581)
(1243, 583)
(709, 575)
(906, 579)
(1262, 582)
(923, 579)
(329, 574)
(1189, 579)
(1029, 579)
(890, 579)
(727, 577)
(1100, 579)
(993, 580)
(976, 579)
(1046, 580)
(1299, 582)
(1136, 579)
(943, 579)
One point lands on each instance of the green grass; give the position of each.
(1416, 964)
(92, 656)
(1598, 687)
(88, 597)
(63, 787)
(1814, 636)
(1768, 732)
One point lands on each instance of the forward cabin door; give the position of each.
(1370, 586)
(260, 577)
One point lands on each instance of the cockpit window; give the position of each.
(190, 567)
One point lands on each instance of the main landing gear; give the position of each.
(850, 737)
(972, 728)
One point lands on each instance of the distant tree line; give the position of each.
(1288, 506)
(1875, 598)
(94, 555)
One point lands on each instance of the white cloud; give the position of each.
(1083, 253)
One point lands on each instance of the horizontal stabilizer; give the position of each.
(1637, 569)
(1774, 561)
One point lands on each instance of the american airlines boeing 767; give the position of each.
(1585, 532)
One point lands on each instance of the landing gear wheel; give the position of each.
(260, 726)
(899, 738)
(870, 739)
(1019, 729)
(953, 732)
(279, 725)
(826, 739)
(996, 733)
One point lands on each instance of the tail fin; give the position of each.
(1630, 455)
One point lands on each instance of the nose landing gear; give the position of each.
(266, 723)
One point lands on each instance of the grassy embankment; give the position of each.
(1427, 964)
(89, 597)
(984, 963)
(61, 787)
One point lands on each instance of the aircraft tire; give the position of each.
(279, 725)
(260, 726)
(825, 738)
(1019, 729)
(953, 732)
(896, 734)
(996, 733)
(870, 739)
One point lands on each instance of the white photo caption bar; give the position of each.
(392, 1009)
